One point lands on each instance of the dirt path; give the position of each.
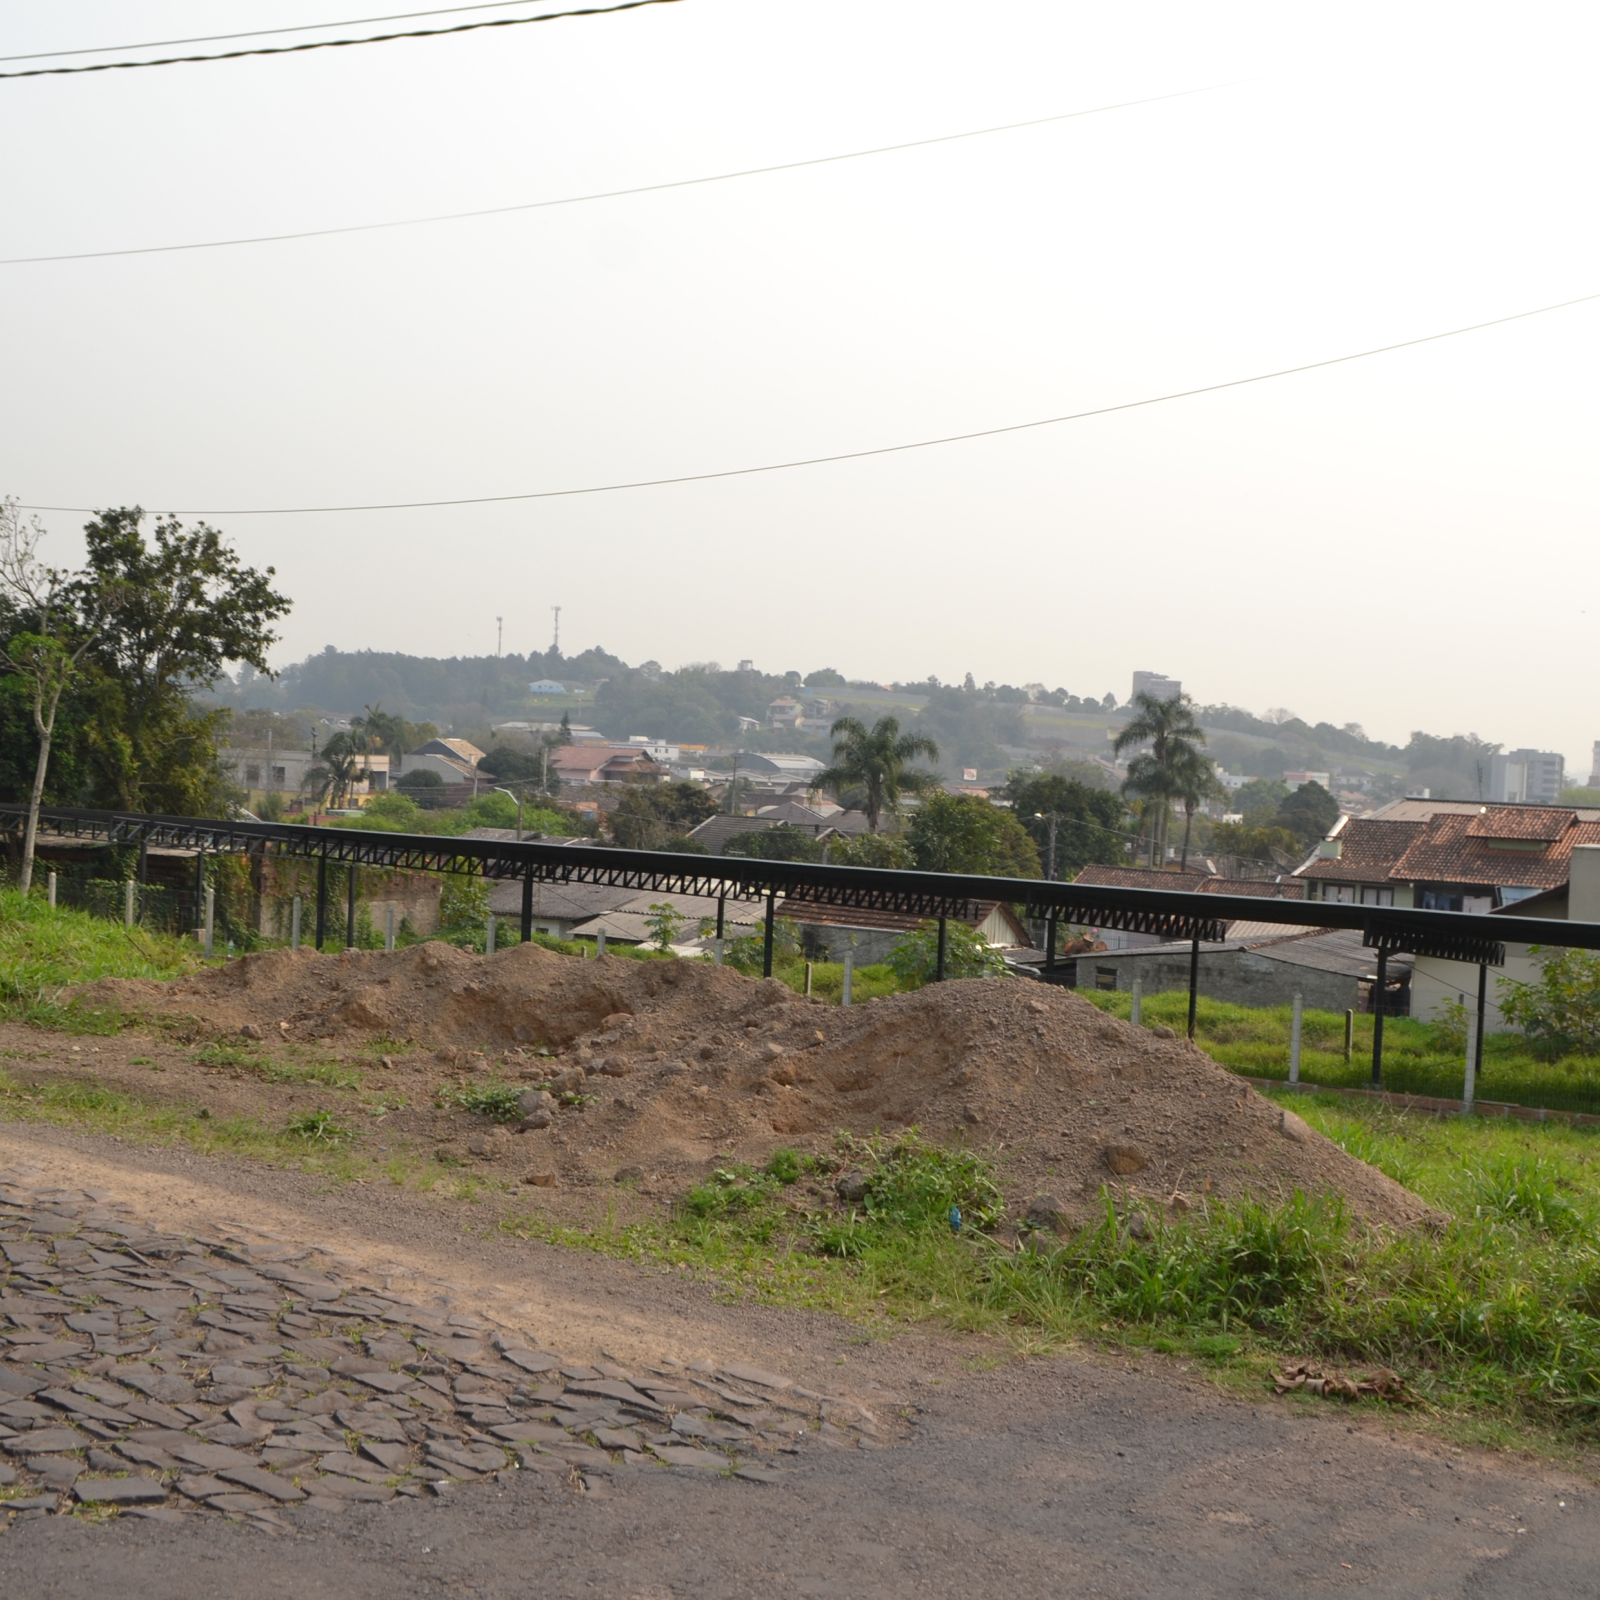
(1044, 1477)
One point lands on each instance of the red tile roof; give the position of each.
(1371, 850)
(1460, 847)
(1261, 888)
(1107, 877)
(1522, 822)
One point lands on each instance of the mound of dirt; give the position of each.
(684, 1060)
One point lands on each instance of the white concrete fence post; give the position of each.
(1469, 1087)
(488, 937)
(211, 918)
(388, 929)
(849, 976)
(1294, 1041)
(1138, 1003)
(51, 890)
(130, 899)
(294, 925)
(600, 941)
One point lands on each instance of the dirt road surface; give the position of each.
(1053, 1476)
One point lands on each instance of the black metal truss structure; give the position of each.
(1447, 944)
(1169, 913)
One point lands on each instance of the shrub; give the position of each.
(915, 960)
(1560, 1010)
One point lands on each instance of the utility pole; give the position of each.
(1053, 818)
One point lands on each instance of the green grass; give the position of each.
(1255, 1041)
(43, 951)
(97, 1108)
(827, 978)
(1494, 1321)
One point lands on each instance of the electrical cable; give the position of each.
(338, 44)
(263, 33)
(879, 450)
(618, 194)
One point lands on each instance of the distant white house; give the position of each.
(547, 686)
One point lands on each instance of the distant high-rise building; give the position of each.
(1594, 767)
(1535, 777)
(1161, 686)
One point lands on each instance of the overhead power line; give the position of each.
(338, 44)
(878, 450)
(613, 194)
(263, 33)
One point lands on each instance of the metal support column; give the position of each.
(527, 907)
(1378, 997)
(1194, 981)
(722, 906)
(766, 948)
(938, 971)
(322, 899)
(350, 907)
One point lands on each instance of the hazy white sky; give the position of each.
(1408, 541)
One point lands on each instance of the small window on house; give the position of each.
(1372, 895)
(1105, 977)
(280, 776)
(252, 776)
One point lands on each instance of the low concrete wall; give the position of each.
(1239, 977)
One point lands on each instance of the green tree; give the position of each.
(424, 786)
(1259, 800)
(915, 960)
(1274, 846)
(1308, 813)
(1560, 1010)
(964, 833)
(871, 850)
(186, 607)
(878, 763)
(1088, 824)
(1194, 781)
(1175, 738)
(380, 732)
(665, 922)
(651, 816)
(55, 623)
(781, 843)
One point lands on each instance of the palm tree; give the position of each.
(875, 762)
(1175, 739)
(1194, 781)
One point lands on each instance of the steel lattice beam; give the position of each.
(1166, 913)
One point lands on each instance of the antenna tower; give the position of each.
(556, 647)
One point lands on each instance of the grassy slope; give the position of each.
(44, 951)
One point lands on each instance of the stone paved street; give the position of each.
(176, 1376)
(206, 1408)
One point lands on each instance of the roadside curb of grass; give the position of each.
(1429, 1105)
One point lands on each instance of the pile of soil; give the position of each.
(682, 1061)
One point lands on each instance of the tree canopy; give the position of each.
(966, 833)
(1091, 824)
(877, 761)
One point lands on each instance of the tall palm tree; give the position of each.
(877, 763)
(1194, 781)
(1175, 739)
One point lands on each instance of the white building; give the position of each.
(1535, 777)
(1157, 684)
